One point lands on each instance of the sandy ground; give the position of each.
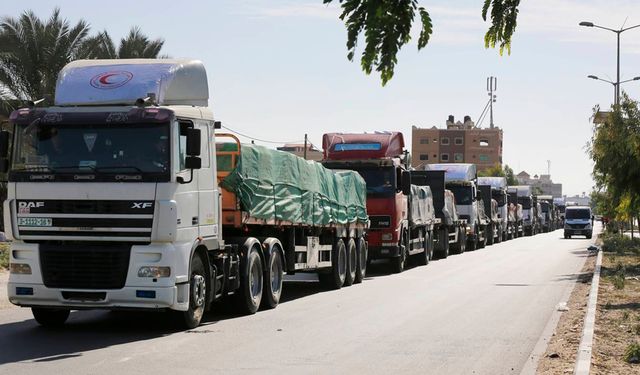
(4, 302)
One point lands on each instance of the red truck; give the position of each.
(401, 215)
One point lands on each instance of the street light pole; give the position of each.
(618, 32)
(616, 85)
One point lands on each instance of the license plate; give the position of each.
(35, 221)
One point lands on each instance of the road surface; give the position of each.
(480, 312)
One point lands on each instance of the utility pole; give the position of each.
(492, 85)
(549, 167)
(305, 146)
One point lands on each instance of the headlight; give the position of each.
(154, 271)
(387, 236)
(20, 269)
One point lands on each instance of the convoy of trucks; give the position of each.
(122, 195)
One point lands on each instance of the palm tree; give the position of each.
(134, 46)
(33, 51)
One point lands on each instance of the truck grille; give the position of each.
(380, 221)
(84, 265)
(88, 220)
(577, 226)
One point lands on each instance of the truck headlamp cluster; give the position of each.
(154, 271)
(387, 236)
(20, 269)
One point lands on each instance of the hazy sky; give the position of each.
(278, 69)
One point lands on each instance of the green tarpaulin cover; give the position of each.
(278, 185)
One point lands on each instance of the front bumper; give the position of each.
(384, 252)
(125, 298)
(585, 232)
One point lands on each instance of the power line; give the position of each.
(258, 139)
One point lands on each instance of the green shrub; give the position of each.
(4, 258)
(618, 281)
(632, 354)
(620, 244)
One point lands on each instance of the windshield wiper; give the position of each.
(55, 169)
(137, 169)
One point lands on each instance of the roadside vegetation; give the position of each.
(4, 256)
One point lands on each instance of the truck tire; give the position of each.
(423, 258)
(398, 263)
(443, 243)
(430, 245)
(249, 296)
(335, 278)
(488, 235)
(363, 252)
(472, 243)
(50, 317)
(352, 263)
(273, 276)
(197, 294)
(499, 237)
(460, 246)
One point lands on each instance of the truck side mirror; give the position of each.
(193, 142)
(192, 162)
(406, 182)
(4, 143)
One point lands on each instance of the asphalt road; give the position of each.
(480, 312)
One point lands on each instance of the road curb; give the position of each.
(583, 363)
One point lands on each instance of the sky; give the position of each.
(278, 70)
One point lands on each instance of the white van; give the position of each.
(578, 221)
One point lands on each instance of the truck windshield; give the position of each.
(463, 194)
(500, 197)
(104, 151)
(381, 182)
(578, 213)
(525, 202)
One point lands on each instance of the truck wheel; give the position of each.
(430, 244)
(335, 278)
(488, 235)
(273, 280)
(462, 240)
(50, 317)
(472, 243)
(443, 243)
(499, 237)
(398, 263)
(249, 296)
(423, 258)
(363, 253)
(197, 294)
(352, 263)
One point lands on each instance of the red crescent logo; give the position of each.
(111, 80)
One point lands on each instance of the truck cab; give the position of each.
(380, 158)
(499, 194)
(461, 180)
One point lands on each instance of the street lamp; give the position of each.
(618, 32)
(615, 84)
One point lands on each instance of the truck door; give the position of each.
(207, 193)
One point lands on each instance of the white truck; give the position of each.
(529, 212)
(116, 200)
(462, 180)
(499, 193)
(578, 220)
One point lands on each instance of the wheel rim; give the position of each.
(199, 290)
(255, 281)
(276, 274)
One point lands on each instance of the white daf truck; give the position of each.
(116, 200)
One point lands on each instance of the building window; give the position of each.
(424, 157)
(459, 141)
(484, 157)
(424, 141)
(444, 141)
(458, 157)
(444, 157)
(484, 143)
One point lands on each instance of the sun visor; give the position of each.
(122, 82)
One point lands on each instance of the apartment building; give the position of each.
(460, 142)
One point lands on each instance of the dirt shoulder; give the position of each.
(562, 350)
(618, 313)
